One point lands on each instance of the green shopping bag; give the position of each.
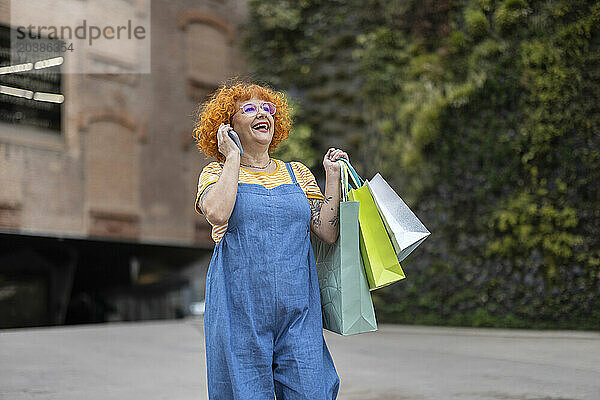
(345, 298)
(379, 257)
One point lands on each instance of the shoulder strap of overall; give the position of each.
(291, 172)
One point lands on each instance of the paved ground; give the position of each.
(165, 360)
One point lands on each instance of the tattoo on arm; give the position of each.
(315, 211)
(315, 208)
(335, 221)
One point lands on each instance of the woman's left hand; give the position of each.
(330, 161)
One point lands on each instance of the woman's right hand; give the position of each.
(220, 199)
(226, 145)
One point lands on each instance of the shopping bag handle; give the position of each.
(343, 181)
(345, 186)
(358, 181)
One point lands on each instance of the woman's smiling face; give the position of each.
(257, 128)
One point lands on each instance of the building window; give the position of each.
(30, 86)
(208, 44)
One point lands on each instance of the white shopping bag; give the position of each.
(403, 226)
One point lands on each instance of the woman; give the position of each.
(263, 322)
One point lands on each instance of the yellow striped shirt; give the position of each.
(211, 173)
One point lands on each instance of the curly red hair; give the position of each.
(222, 105)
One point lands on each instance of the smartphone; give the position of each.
(236, 139)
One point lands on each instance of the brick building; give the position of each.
(96, 192)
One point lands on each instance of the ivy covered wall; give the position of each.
(484, 116)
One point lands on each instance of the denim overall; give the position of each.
(263, 322)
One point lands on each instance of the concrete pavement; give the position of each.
(165, 360)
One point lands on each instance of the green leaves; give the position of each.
(530, 222)
(510, 17)
(286, 16)
(476, 23)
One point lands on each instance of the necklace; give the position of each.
(252, 166)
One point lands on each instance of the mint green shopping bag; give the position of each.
(345, 298)
(379, 257)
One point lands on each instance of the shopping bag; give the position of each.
(345, 298)
(379, 257)
(403, 226)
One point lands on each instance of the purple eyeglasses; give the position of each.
(251, 109)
